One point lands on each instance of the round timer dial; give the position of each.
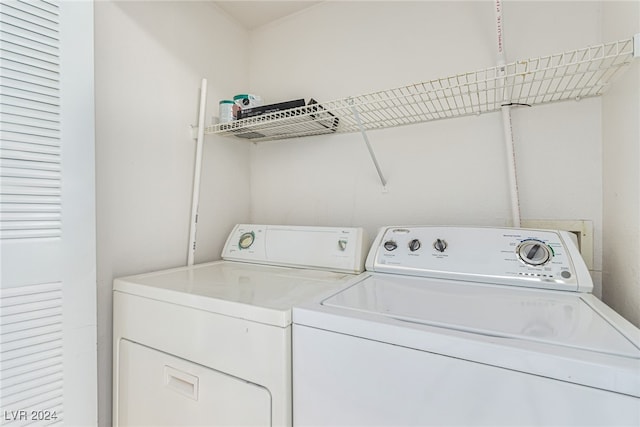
(534, 252)
(246, 240)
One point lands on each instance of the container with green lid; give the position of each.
(226, 110)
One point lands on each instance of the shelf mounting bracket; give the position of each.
(356, 115)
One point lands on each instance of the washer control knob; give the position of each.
(414, 245)
(246, 240)
(534, 252)
(440, 245)
(390, 245)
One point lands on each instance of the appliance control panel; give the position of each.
(341, 249)
(506, 256)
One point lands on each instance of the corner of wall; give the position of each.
(621, 180)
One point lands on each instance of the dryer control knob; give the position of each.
(390, 245)
(246, 240)
(414, 245)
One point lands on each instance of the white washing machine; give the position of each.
(210, 344)
(466, 326)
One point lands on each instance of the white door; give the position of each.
(47, 214)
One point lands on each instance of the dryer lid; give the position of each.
(551, 317)
(257, 293)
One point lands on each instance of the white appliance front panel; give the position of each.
(558, 318)
(328, 248)
(158, 389)
(614, 370)
(342, 380)
(254, 352)
(487, 255)
(255, 292)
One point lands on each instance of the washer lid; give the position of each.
(258, 293)
(550, 317)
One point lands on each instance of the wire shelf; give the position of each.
(571, 75)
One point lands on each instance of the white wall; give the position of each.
(445, 172)
(621, 164)
(150, 58)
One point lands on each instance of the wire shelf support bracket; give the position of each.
(372, 154)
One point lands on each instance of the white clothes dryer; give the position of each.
(210, 344)
(466, 326)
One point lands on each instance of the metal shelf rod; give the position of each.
(195, 197)
(356, 115)
(507, 127)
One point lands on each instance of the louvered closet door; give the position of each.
(47, 217)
